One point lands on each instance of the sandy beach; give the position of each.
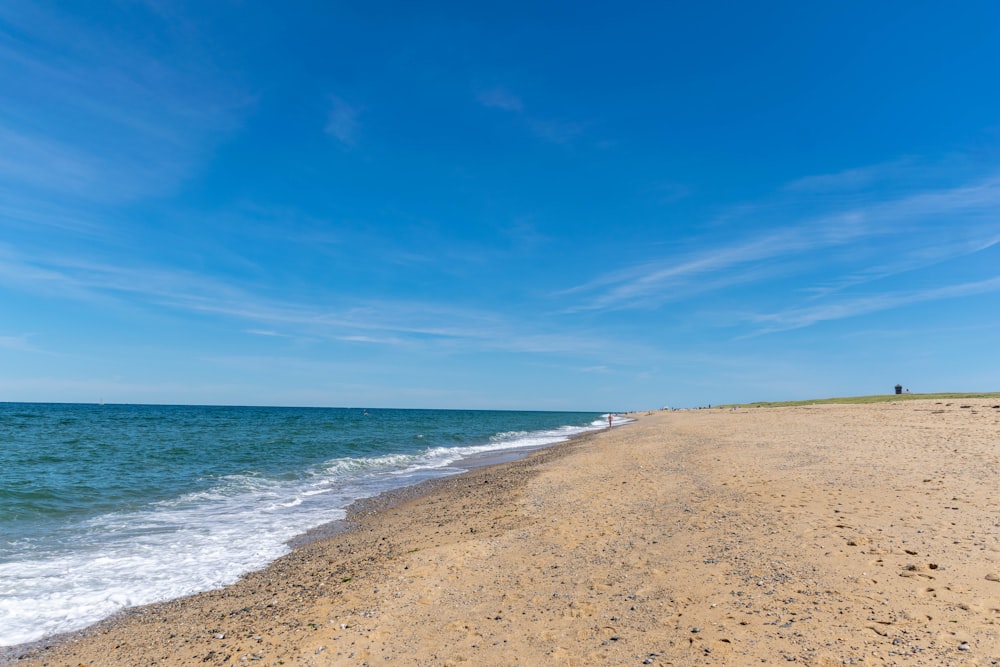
(822, 535)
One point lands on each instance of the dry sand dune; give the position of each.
(823, 535)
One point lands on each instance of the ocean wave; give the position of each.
(206, 537)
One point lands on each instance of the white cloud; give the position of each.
(556, 131)
(342, 121)
(797, 318)
(912, 231)
(552, 131)
(856, 178)
(20, 343)
(381, 322)
(500, 98)
(669, 192)
(266, 333)
(29, 212)
(651, 283)
(919, 259)
(94, 115)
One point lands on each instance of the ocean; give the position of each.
(104, 507)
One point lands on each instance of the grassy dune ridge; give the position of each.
(877, 398)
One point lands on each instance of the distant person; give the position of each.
(609, 419)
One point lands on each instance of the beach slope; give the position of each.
(823, 535)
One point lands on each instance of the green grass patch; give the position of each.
(860, 400)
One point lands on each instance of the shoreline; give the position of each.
(399, 495)
(353, 519)
(825, 535)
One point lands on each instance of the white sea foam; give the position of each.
(206, 539)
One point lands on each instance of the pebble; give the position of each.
(964, 646)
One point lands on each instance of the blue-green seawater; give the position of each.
(108, 506)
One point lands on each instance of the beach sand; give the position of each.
(822, 535)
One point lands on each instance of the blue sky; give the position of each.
(508, 205)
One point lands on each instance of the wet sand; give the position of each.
(823, 535)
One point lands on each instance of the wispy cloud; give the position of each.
(857, 178)
(317, 317)
(35, 161)
(797, 318)
(267, 333)
(556, 131)
(342, 121)
(500, 98)
(919, 259)
(30, 212)
(652, 283)
(94, 115)
(547, 129)
(387, 322)
(670, 192)
(373, 340)
(819, 258)
(21, 343)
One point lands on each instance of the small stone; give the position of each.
(221, 635)
(696, 629)
(964, 646)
